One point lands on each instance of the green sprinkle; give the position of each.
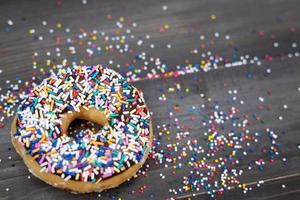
(113, 115)
(59, 101)
(133, 125)
(35, 101)
(50, 133)
(98, 164)
(130, 100)
(51, 92)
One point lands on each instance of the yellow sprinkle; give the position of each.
(58, 25)
(103, 158)
(51, 105)
(94, 37)
(77, 177)
(210, 137)
(27, 142)
(45, 91)
(48, 62)
(120, 95)
(86, 108)
(213, 17)
(31, 31)
(99, 180)
(117, 170)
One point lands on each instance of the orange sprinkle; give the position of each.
(109, 142)
(30, 129)
(35, 150)
(96, 143)
(35, 157)
(50, 153)
(43, 138)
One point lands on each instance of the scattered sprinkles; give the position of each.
(228, 136)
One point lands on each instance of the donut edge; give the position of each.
(77, 186)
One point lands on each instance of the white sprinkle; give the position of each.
(165, 7)
(10, 22)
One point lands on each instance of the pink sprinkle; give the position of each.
(42, 159)
(49, 167)
(94, 68)
(106, 175)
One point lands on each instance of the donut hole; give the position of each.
(73, 122)
(78, 125)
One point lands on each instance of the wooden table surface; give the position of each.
(179, 33)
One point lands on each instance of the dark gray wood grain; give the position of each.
(242, 20)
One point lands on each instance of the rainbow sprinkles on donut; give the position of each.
(88, 161)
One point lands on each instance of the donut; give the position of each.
(87, 161)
